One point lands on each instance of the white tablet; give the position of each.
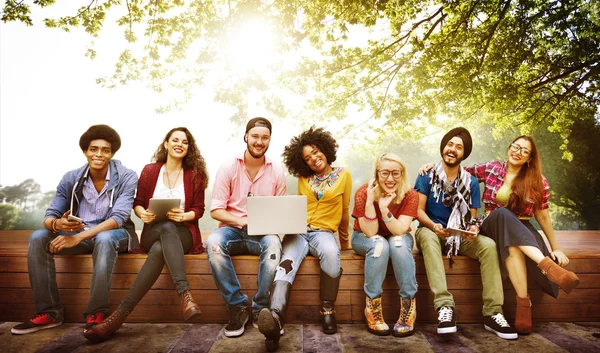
(160, 207)
(460, 232)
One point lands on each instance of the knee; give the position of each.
(330, 253)
(105, 240)
(155, 249)
(379, 250)
(402, 245)
(487, 246)
(502, 213)
(271, 244)
(426, 238)
(166, 228)
(39, 237)
(215, 243)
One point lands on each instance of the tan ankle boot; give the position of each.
(188, 305)
(374, 315)
(565, 279)
(405, 326)
(523, 315)
(105, 329)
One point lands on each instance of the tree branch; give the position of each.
(564, 74)
(406, 36)
(491, 34)
(362, 88)
(68, 19)
(14, 6)
(382, 101)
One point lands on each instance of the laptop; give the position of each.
(276, 214)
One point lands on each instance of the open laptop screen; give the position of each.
(276, 214)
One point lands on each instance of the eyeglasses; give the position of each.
(396, 174)
(520, 149)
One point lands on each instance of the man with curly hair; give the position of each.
(249, 173)
(328, 189)
(89, 214)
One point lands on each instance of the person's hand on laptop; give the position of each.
(242, 221)
(147, 216)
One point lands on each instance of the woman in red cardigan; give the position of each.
(179, 172)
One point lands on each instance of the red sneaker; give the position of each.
(39, 322)
(94, 319)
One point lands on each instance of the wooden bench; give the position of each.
(161, 304)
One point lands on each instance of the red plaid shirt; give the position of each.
(492, 175)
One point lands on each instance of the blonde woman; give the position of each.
(383, 211)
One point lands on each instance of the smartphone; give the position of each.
(74, 218)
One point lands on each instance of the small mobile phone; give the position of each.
(74, 218)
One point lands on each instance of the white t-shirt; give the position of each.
(162, 191)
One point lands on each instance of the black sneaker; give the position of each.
(498, 325)
(238, 316)
(39, 322)
(446, 320)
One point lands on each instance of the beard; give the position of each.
(256, 155)
(453, 164)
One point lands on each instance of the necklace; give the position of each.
(169, 180)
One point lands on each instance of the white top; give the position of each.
(162, 191)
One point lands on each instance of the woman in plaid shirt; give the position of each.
(515, 191)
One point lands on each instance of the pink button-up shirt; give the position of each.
(233, 184)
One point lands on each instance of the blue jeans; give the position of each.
(226, 241)
(377, 250)
(104, 247)
(320, 244)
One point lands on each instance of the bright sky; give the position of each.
(49, 97)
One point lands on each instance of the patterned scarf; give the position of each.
(459, 197)
(320, 184)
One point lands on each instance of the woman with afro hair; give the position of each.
(309, 157)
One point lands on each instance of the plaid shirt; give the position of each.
(492, 175)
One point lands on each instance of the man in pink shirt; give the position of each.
(250, 173)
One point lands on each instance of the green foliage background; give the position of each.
(411, 69)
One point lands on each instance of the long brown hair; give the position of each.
(527, 185)
(193, 159)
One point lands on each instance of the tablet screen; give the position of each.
(160, 207)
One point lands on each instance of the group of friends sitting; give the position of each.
(90, 213)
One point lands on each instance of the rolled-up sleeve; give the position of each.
(124, 202)
(221, 190)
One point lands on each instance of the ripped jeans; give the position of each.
(377, 250)
(319, 243)
(226, 241)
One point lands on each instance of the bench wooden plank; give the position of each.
(161, 304)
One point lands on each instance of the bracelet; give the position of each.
(53, 225)
(391, 216)
(369, 218)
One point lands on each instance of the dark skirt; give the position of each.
(508, 230)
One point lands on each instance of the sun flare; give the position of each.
(249, 45)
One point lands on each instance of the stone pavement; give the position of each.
(163, 338)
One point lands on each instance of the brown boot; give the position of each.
(523, 315)
(374, 315)
(565, 279)
(188, 305)
(405, 326)
(105, 329)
